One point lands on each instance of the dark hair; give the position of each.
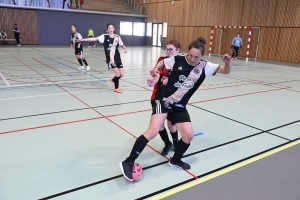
(109, 25)
(198, 44)
(16, 24)
(74, 25)
(175, 43)
(238, 34)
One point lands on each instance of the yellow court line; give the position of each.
(199, 181)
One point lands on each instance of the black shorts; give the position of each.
(118, 65)
(179, 115)
(235, 48)
(159, 107)
(78, 51)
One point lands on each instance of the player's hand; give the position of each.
(78, 46)
(164, 80)
(78, 40)
(154, 72)
(226, 59)
(150, 82)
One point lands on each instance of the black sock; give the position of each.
(180, 150)
(84, 61)
(137, 148)
(80, 62)
(116, 80)
(175, 136)
(164, 136)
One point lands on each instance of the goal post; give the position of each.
(226, 39)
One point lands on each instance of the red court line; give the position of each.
(94, 110)
(46, 65)
(128, 113)
(252, 83)
(239, 95)
(50, 125)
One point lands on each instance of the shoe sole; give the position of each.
(176, 166)
(121, 166)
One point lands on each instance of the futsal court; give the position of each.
(64, 131)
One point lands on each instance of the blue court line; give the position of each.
(197, 134)
(75, 69)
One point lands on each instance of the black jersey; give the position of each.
(107, 43)
(75, 36)
(16, 32)
(184, 79)
(3, 35)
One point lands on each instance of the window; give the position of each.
(126, 28)
(149, 29)
(138, 29)
(165, 29)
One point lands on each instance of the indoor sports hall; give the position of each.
(65, 130)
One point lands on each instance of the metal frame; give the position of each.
(248, 44)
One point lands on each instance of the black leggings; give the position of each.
(91, 42)
(235, 50)
(17, 39)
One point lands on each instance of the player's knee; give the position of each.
(151, 133)
(187, 137)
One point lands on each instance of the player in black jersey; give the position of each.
(3, 37)
(111, 41)
(78, 48)
(17, 35)
(187, 74)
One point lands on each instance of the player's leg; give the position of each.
(182, 121)
(79, 59)
(155, 124)
(174, 134)
(119, 72)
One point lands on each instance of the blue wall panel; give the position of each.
(55, 26)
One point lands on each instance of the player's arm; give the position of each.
(225, 69)
(158, 66)
(122, 45)
(71, 42)
(79, 37)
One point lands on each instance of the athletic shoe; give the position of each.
(166, 149)
(81, 68)
(94, 45)
(180, 164)
(87, 68)
(118, 90)
(109, 67)
(89, 46)
(126, 168)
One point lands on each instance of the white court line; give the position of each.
(44, 95)
(4, 80)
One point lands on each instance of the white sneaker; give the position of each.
(81, 68)
(87, 68)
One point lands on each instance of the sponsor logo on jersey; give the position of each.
(196, 71)
(180, 68)
(184, 82)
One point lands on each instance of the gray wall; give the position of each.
(55, 26)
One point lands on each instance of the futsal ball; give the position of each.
(137, 171)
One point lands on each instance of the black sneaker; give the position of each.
(166, 150)
(181, 164)
(126, 168)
